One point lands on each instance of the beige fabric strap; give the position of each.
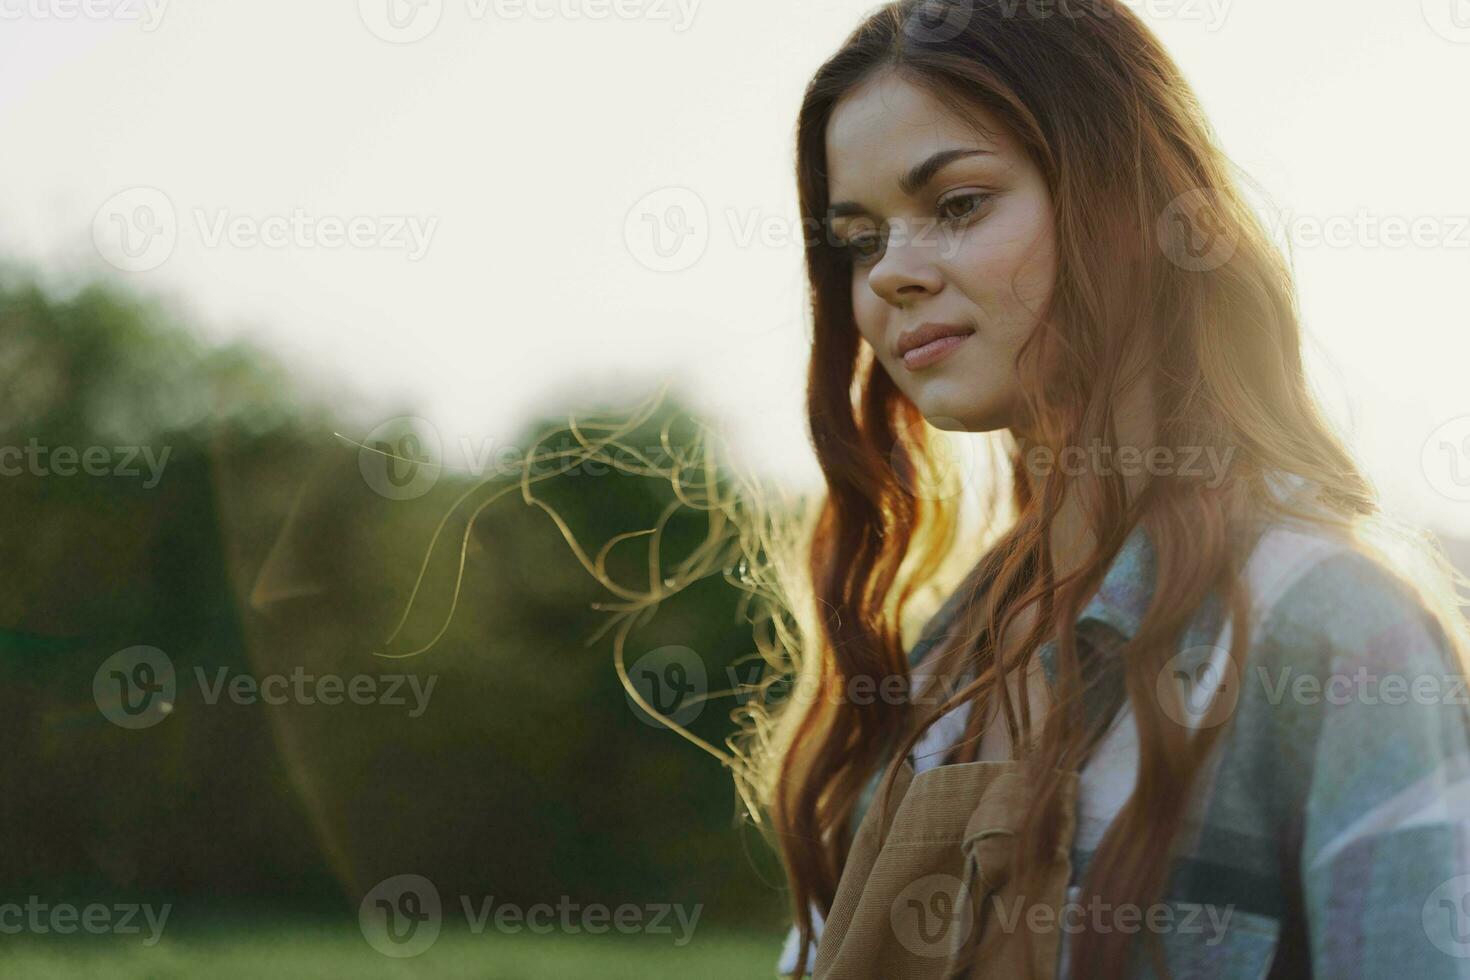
(938, 887)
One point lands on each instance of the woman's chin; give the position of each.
(953, 415)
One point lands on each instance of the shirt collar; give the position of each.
(1120, 602)
(1127, 587)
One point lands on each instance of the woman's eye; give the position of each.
(864, 248)
(961, 206)
(868, 246)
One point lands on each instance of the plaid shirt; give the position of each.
(1329, 835)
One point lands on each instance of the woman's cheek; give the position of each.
(866, 311)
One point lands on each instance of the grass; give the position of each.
(255, 951)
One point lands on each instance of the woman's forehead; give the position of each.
(884, 126)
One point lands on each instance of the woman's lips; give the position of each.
(933, 352)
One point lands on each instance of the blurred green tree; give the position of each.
(261, 549)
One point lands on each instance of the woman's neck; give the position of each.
(1071, 537)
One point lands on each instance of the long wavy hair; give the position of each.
(1129, 159)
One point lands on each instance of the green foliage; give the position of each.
(261, 550)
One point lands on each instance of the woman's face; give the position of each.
(943, 227)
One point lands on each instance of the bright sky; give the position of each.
(493, 161)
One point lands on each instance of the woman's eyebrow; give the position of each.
(915, 180)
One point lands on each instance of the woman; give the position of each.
(1155, 698)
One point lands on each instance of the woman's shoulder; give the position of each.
(1328, 599)
(1353, 708)
(1354, 681)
